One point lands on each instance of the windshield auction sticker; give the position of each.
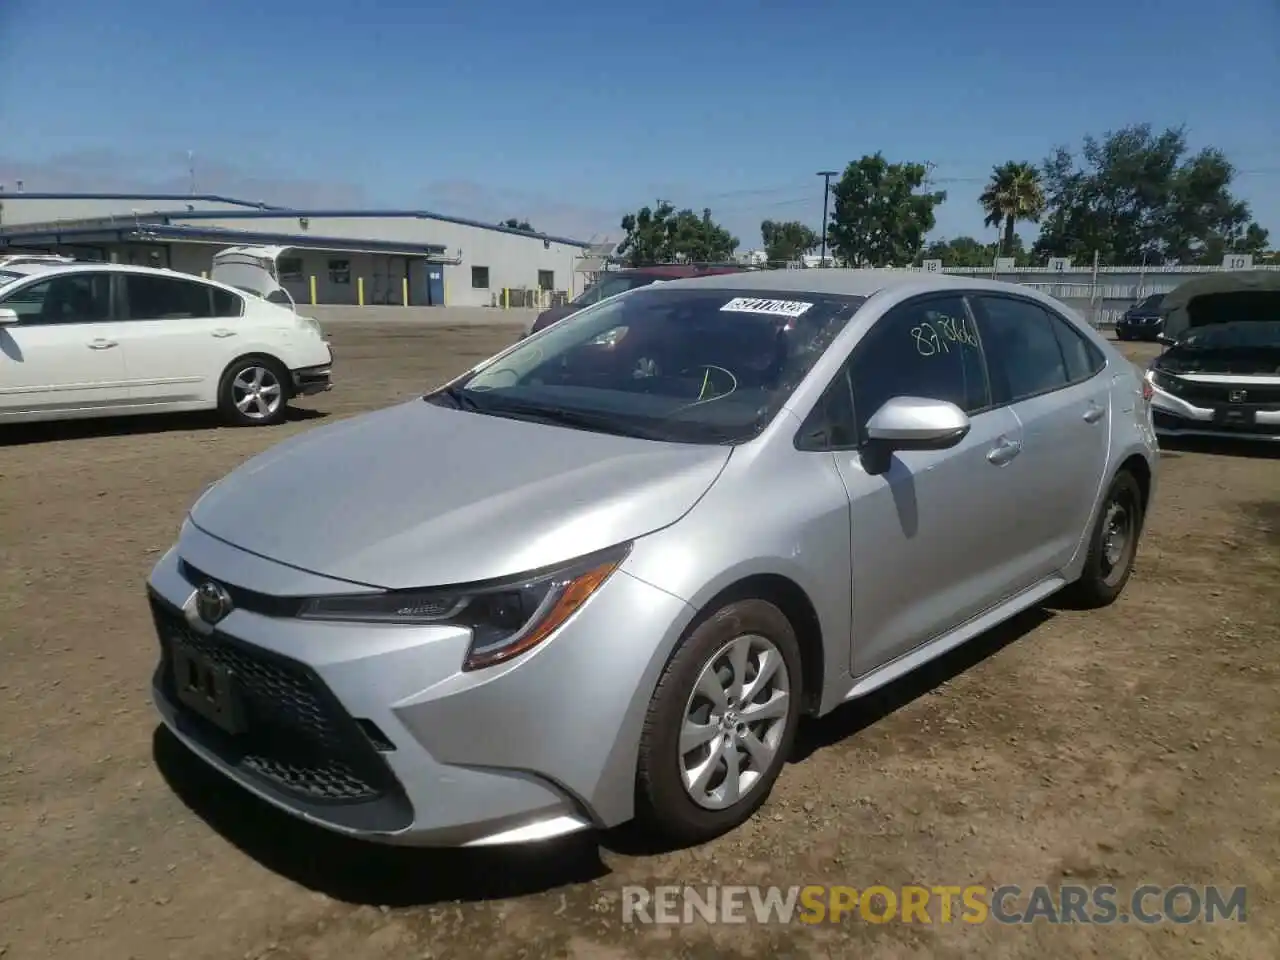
(774, 308)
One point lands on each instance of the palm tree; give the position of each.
(1012, 195)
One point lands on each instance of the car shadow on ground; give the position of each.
(367, 873)
(856, 716)
(852, 718)
(1224, 447)
(20, 434)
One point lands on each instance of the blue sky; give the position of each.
(571, 114)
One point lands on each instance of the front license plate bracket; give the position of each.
(1235, 416)
(208, 689)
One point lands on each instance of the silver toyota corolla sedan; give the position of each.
(601, 575)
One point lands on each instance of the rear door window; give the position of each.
(167, 298)
(1022, 349)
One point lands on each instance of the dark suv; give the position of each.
(619, 281)
(1142, 321)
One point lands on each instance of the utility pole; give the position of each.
(826, 176)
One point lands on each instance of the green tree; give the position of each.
(1136, 194)
(1012, 195)
(787, 241)
(968, 252)
(662, 234)
(515, 224)
(879, 217)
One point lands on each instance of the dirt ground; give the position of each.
(1139, 744)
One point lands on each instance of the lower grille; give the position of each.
(296, 735)
(1167, 421)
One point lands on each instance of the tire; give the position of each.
(664, 805)
(270, 408)
(1121, 336)
(1106, 571)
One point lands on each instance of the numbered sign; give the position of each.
(931, 266)
(1061, 264)
(1006, 264)
(1238, 261)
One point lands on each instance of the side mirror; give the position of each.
(8, 315)
(917, 423)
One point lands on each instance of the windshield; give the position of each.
(8, 276)
(611, 286)
(1151, 303)
(685, 365)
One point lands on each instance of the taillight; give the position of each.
(1147, 390)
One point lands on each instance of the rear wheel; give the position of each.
(720, 724)
(254, 392)
(1113, 544)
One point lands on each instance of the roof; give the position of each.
(851, 282)
(680, 270)
(141, 230)
(257, 209)
(176, 197)
(365, 214)
(86, 266)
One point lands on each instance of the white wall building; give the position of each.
(335, 256)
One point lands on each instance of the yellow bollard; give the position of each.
(404, 290)
(506, 297)
(360, 290)
(313, 290)
(446, 294)
(204, 274)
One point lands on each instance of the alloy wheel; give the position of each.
(257, 392)
(734, 722)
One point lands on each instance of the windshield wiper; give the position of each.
(461, 399)
(597, 422)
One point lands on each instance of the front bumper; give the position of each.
(374, 732)
(1174, 416)
(1138, 329)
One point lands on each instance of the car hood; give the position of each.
(420, 495)
(552, 314)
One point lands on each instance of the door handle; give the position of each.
(101, 344)
(1004, 451)
(223, 332)
(1094, 413)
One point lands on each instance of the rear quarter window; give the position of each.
(1083, 359)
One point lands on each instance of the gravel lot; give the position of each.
(1138, 744)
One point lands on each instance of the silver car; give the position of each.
(601, 575)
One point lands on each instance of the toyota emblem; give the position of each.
(213, 602)
(1237, 396)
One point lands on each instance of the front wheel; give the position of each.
(253, 392)
(720, 724)
(1113, 544)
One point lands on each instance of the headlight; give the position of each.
(1166, 382)
(506, 618)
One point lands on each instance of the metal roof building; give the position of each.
(332, 256)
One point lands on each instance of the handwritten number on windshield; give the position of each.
(937, 335)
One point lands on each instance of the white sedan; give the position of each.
(101, 339)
